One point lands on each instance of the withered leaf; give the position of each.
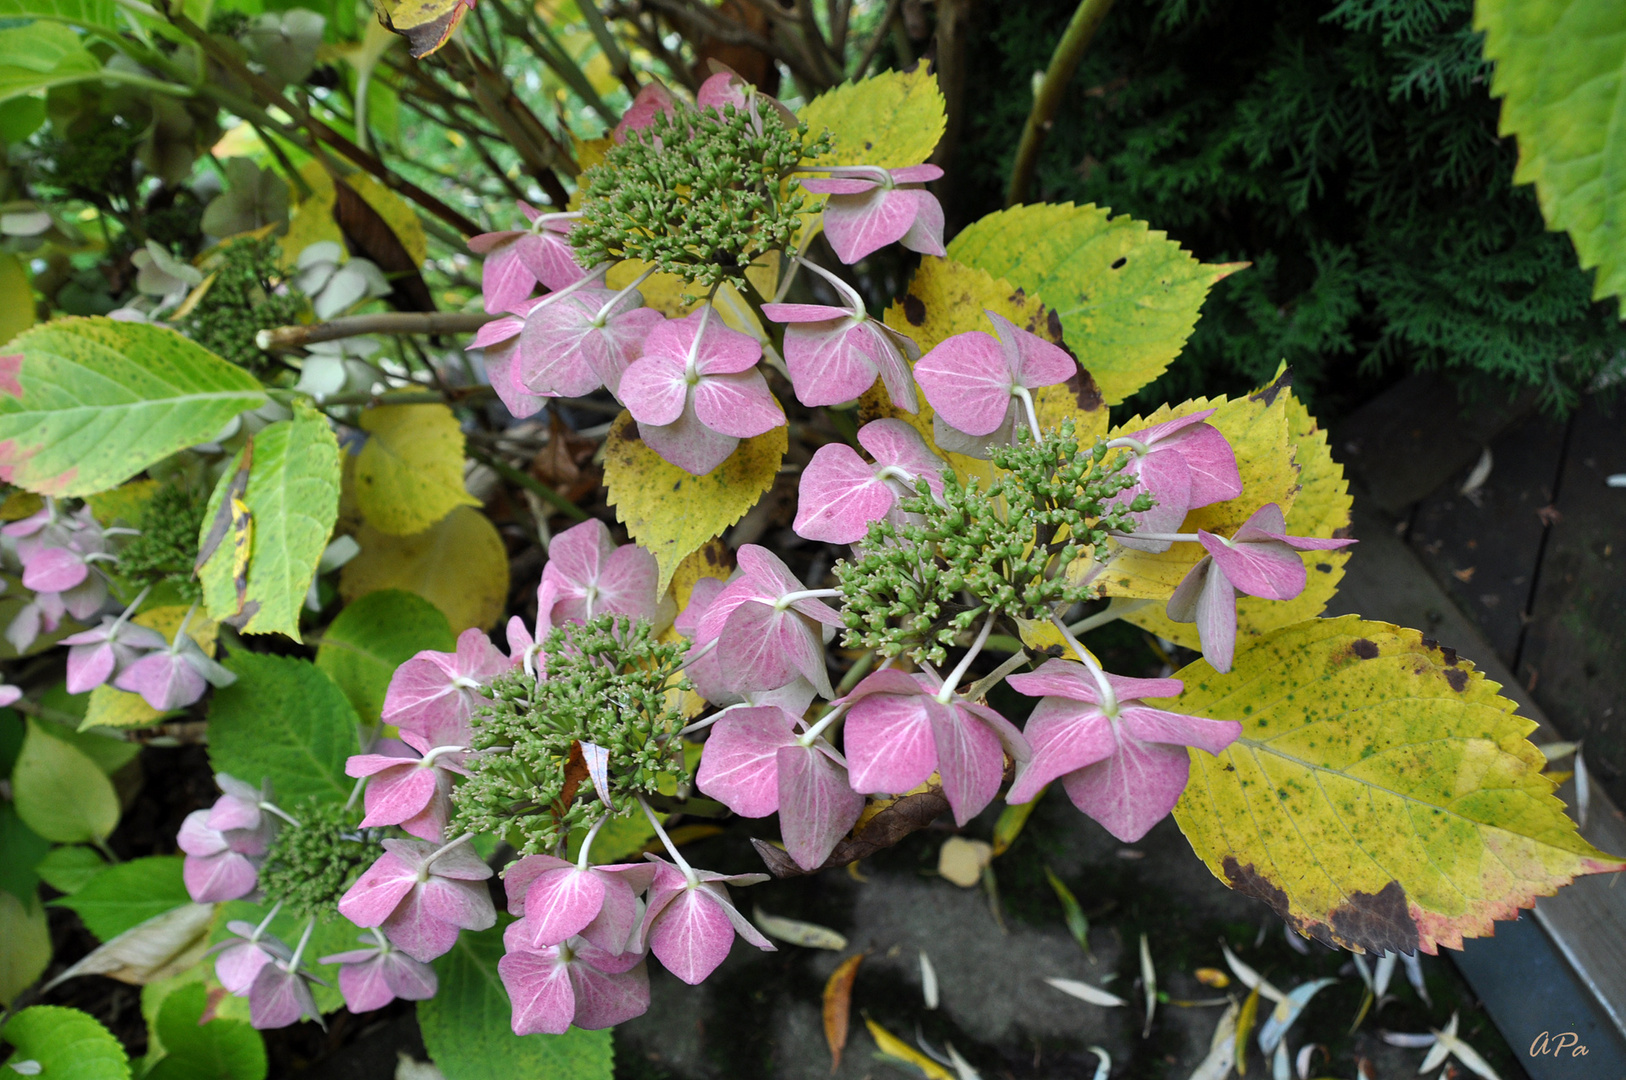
(886, 822)
(838, 1001)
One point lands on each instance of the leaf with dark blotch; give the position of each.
(895, 819)
(369, 235)
(838, 1002)
(575, 773)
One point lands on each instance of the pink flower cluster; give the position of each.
(225, 844)
(692, 384)
(59, 552)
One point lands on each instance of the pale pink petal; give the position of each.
(917, 174)
(1216, 620)
(692, 935)
(379, 890)
(551, 358)
(738, 404)
(363, 984)
(416, 932)
(968, 382)
(502, 368)
(895, 443)
(839, 496)
(969, 758)
(860, 224)
(518, 876)
(1266, 568)
(213, 878)
(1158, 726)
(722, 350)
(1167, 479)
(627, 585)
(606, 999)
(54, 570)
(550, 258)
(766, 649)
(164, 680)
(1214, 475)
(738, 764)
(462, 903)
(833, 361)
(688, 443)
(400, 794)
(505, 280)
(278, 998)
(1034, 362)
(197, 838)
(561, 902)
(409, 979)
(1131, 790)
(803, 313)
(654, 390)
(539, 988)
(722, 89)
(817, 805)
(838, 185)
(239, 963)
(652, 100)
(611, 929)
(89, 666)
(1065, 736)
(1069, 679)
(925, 232)
(889, 743)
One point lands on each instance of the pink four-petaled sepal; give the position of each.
(755, 764)
(898, 733)
(694, 400)
(973, 382)
(1187, 464)
(242, 957)
(95, 655)
(560, 900)
(869, 208)
(527, 647)
(517, 260)
(552, 987)
(278, 997)
(373, 977)
(592, 576)
(413, 793)
(690, 926)
(1125, 770)
(1260, 560)
(841, 494)
(434, 694)
(571, 346)
(765, 642)
(224, 844)
(834, 354)
(422, 905)
(55, 569)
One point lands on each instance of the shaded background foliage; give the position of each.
(1348, 151)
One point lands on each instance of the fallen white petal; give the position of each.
(1086, 992)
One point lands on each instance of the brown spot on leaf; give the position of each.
(1366, 650)
(914, 309)
(1457, 678)
(1268, 394)
(1084, 391)
(1325, 568)
(1377, 922)
(1120, 262)
(630, 433)
(1053, 324)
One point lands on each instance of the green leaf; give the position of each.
(126, 895)
(293, 500)
(467, 1025)
(283, 720)
(1382, 796)
(91, 402)
(16, 294)
(20, 118)
(109, 753)
(892, 119)
(69, 868)
(218, 1050)
(1561, 73)
(375, 635)
(43, 55)
(1128, 296)
(27, 950)
(59, 792)
(93, 14)
(21, 850)
(410, 474)
(670, 512)
(68, 1044)
(1077, 924)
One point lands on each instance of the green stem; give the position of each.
(529, 483)
(1063, 63)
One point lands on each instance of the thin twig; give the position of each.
(287, 338)
(874, 46)
(1063, 63)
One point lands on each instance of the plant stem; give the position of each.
(587, 841)
(946, 694)
(1063, 63)
(1109, 697)
(666, 841)
(287, 338)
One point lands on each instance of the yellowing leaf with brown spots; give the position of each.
(1259, 430)
(1127, 295)
(426, 24)
(892, 119)
(410, 473)
(670, 512)
(947, 298)
(1382, 796)
(1320, 509)
(460, 565)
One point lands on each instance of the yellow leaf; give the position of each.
(671, 513)
(663, 292)
(410, 473)
(460, 565)
(1258, 429)
(111, 707)
(1244, 1028)
(1382, 796)
(892, 119)
(20, 504)
(894, 1047)
(16, 298)
(1127, 295)
(426, 24)
(1320, 509)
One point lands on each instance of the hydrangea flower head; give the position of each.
(434, 694)
(589, 576)
(977, 383)
(769, 629)
(870, 207)
(841, 494)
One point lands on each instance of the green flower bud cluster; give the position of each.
(310, 866)
(699, 194)
(610, 683)
(915, 588)
(247, 296)
(167, 546)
